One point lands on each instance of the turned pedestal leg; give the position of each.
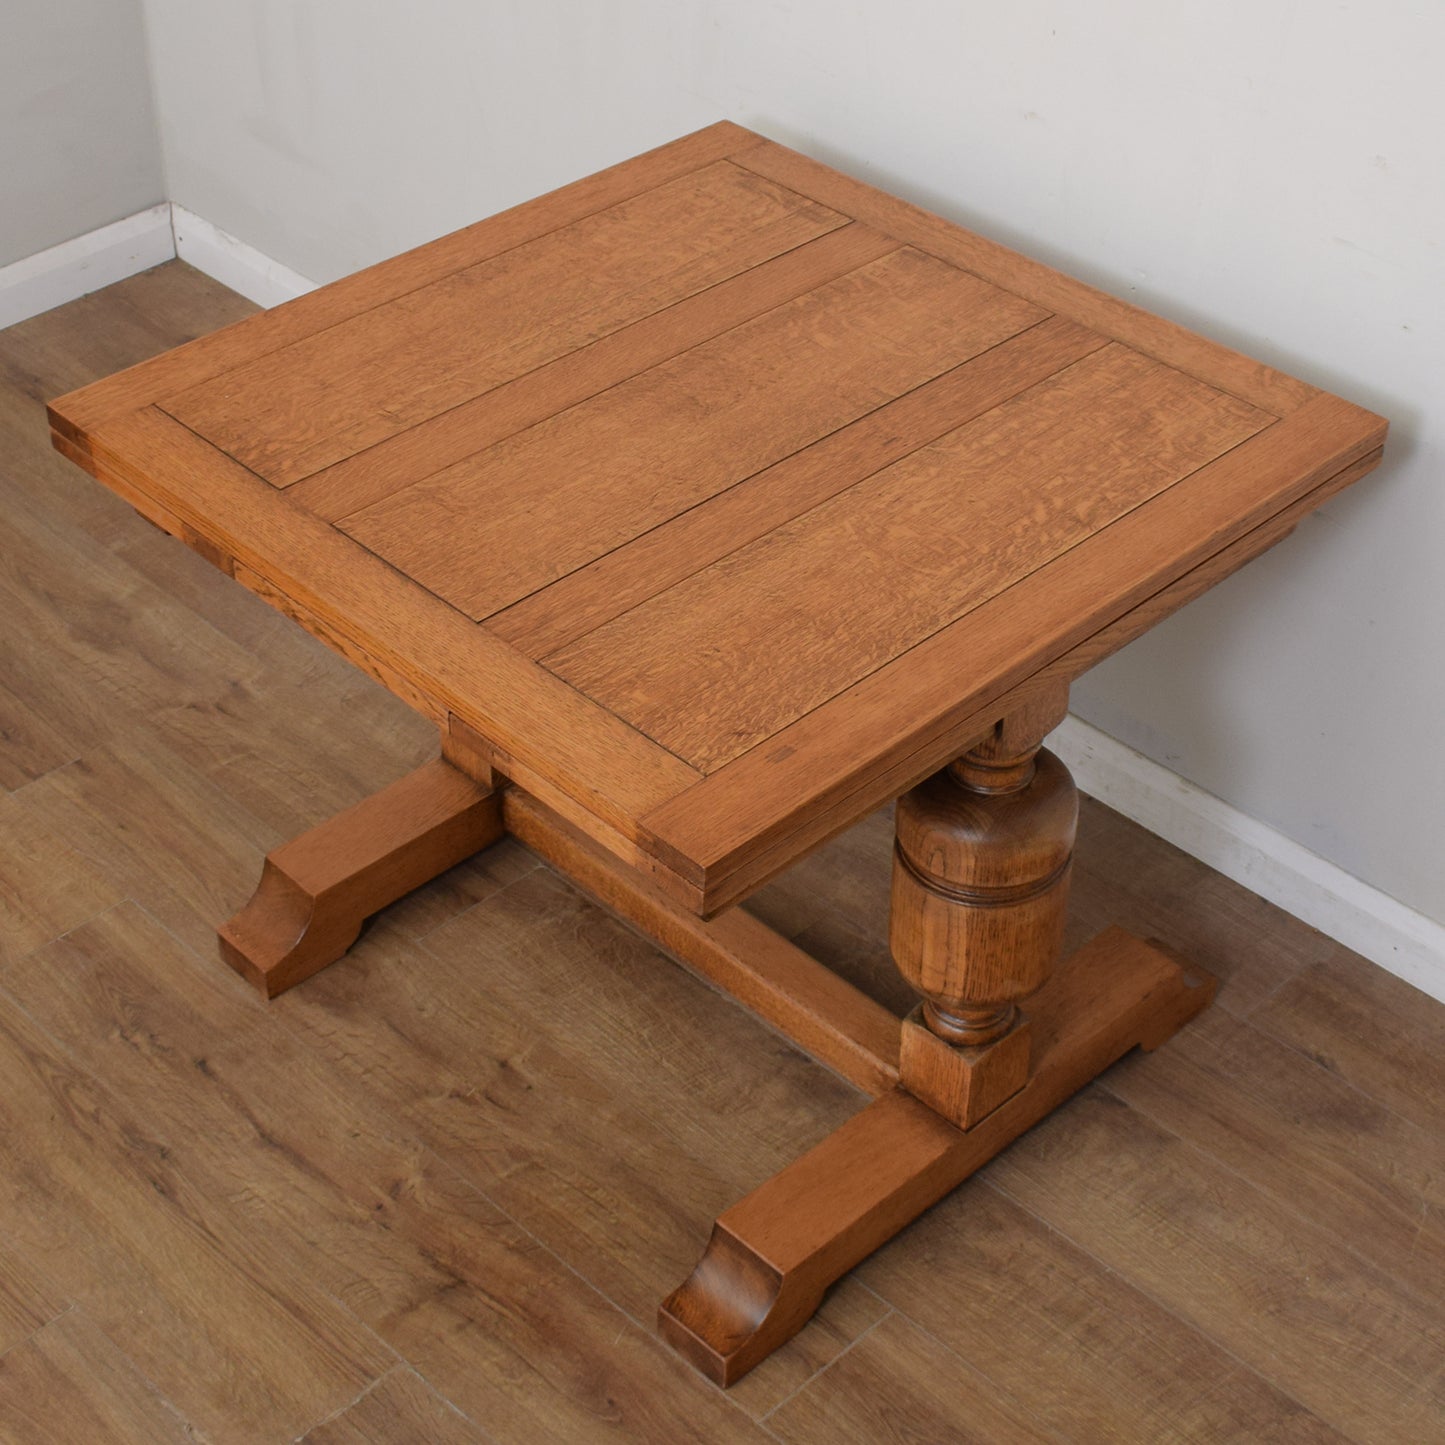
(980, 881)
(317, 890)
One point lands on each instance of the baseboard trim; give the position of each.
(1360, 916)
(99, 258)
(75, 268)
(232, 262)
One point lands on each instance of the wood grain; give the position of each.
(712, 827)
(562, 1031)
(1275, 1116)
(859, 1404)
(317, 890)
(401, 1406)
(124, 805)
(382, 470)
(575, 604)
(1091, 1352)
(1368, 1028)
(620, 458)
(960, 733)
(1146, 1196)
(455, 1045)
(576, 486)
(360, 598)
(268, 331)
(980, 885)
(927, 541)
(223, 1333)
(293, 412)
(27, 1302)
(51, 885)
(333, 1199)
(1251, 380)
(772, 1255)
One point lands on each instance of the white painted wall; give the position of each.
(1268, 171)
(78, 140)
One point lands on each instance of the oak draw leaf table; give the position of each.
(705, 505)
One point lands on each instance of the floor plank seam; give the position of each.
(1008, 1396)
(337, 1413)
(178, 1147)
(40, 777)
(1144, 1292)
(199, 1435)
(420, 938)
(496, 893)
(15, 960)
(666, 1359)
(485, 1435)
(407, 1124)
(824, 1368)
(1305, 1310)
(1290, 1204)
(1328, 1068)
(1278, 986)
(20, 1344)
(712, 987)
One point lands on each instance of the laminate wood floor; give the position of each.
(436, 1193)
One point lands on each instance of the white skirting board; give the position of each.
(1360, 916)
(233, 263)
(75, 268)
(1266, 862)
(99, 258)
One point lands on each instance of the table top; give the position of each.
(718, 497)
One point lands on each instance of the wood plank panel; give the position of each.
(956, 734)
(50, 886)
(611, 767)
(379, 471)
(738, 811)
(562, 1033)
(1372, 1030)
(522, 513)
(575, 604)
(290, 413)
(268, 331)
(124, 805)
(312, 1127)
(1244, 377)
(740, 650)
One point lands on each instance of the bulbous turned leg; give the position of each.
(980, 882)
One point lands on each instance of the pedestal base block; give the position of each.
(960, 1082)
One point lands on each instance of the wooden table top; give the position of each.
(723, 496)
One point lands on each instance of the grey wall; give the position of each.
(78, 140)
